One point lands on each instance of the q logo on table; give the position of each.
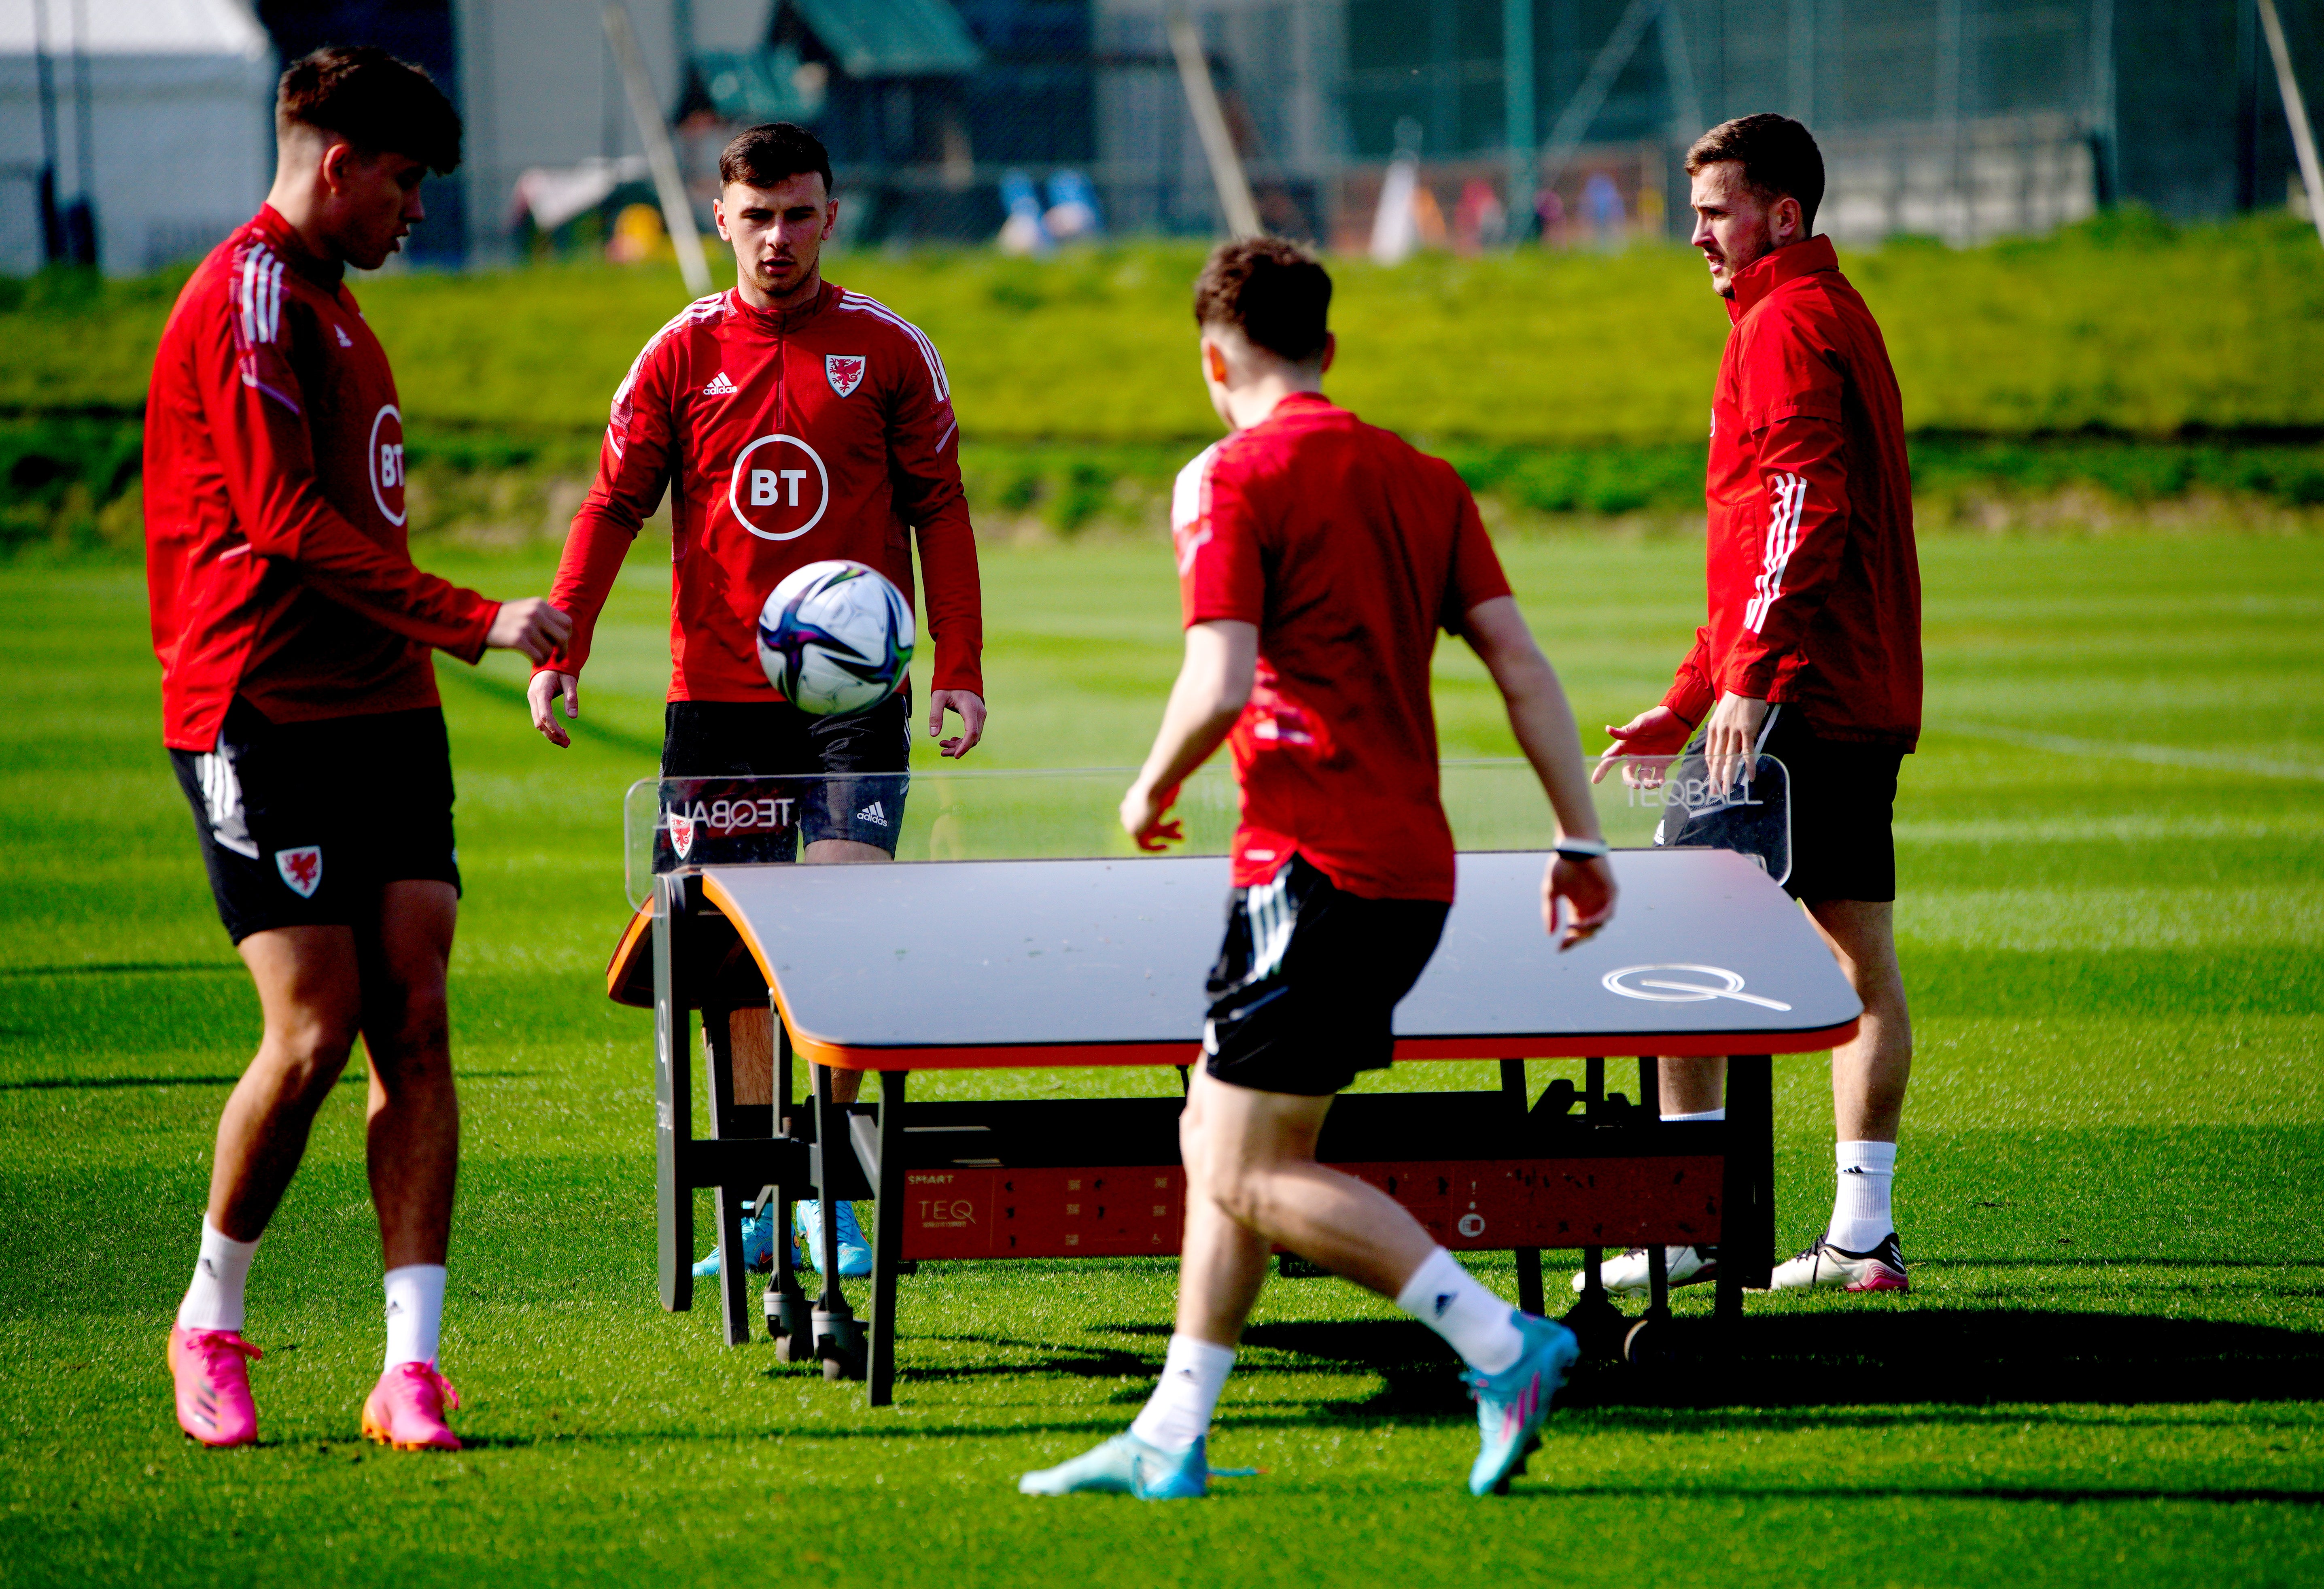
(1683, 984)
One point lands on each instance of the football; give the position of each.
(834, 638)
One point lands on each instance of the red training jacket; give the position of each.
(1815, 583)
(275, 547)
(1348, 549)
(785, 439)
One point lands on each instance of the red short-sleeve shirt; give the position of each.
(1349, 550)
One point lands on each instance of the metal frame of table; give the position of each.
(698, 960)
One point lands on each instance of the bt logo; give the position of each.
(779, 488)
(386, 460)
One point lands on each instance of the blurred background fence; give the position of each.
(132, 131)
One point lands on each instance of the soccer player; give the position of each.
(1812, 653)
(1317, 559)
(791, 421)
(300, 706)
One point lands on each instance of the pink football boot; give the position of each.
(212, 1371)
(406, 1410)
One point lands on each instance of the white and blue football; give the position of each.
(836, 637)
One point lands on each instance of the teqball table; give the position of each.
(957, 957)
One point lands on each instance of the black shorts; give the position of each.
(1307, 982)
(770, 739)
(1843, 795)
(302, 823)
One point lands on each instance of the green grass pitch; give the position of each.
(2108, 1370)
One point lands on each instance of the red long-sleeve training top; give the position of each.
(785, 439)
(1814, 582)
(275, 547)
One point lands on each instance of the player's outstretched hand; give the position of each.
(544, 689)
(1585, 891)
(1655, 732)
(1145, 817)
(530, 625)
(971, 707)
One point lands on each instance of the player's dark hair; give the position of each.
(1779, 158)
(378, 104)
(1274, 292)
(764, 155)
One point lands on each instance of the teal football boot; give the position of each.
(1513, 1404)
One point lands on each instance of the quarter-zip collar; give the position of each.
(783, 322)
(1291, 402)
(283, 238)
(1771, 269)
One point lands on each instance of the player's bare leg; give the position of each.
(1869, 1071)
(1250, 1167)
(1692, 1086)
(413, 1122)
(318, 987)
(1869, 1074)
(411, 1150)
(1858, 1250)
(1252, 1182)
(306, 979)
(309, 994)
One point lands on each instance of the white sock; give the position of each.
(1860, 1212)
(1478, 1325)
(1179, 1413)
(415, 1312)
(213, 1301)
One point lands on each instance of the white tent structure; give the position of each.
(163, 116)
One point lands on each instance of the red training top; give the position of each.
(1815, 587)
(1350, 551)
(825, 431)
(275, 548)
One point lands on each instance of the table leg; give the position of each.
(1528, 1259)
(673, 1107)
(1594, 1317)
(789, 1317)
(887, 1236)
(1747, 1211)
(1650, 1099)
(1530, 1298)
(838, 1338)
(718, 1065)
(1751, 1091)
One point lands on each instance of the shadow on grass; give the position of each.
(1869, 1359)
(2131, 1261)
(353, 1078)
(2038, 1494)
(123, 968)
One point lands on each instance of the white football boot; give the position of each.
(1822, 1265)
(1683, 1266)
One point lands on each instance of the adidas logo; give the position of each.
(874, 812)
(1444, 1302)
(345, 340)
(719, 386)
